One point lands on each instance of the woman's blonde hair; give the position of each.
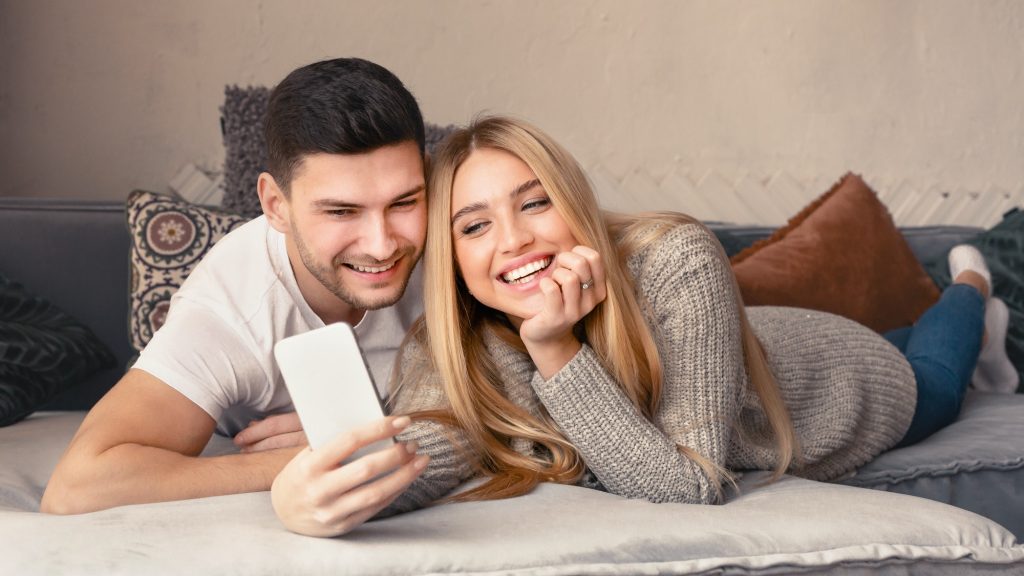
(615, 329)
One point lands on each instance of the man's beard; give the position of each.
(328, 277)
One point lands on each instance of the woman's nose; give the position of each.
(514, 236)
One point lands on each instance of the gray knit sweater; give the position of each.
(850, 394)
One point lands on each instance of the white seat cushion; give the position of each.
(793, 525)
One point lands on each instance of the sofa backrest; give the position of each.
(74, 254)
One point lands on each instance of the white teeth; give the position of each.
(372, 269)
(517, 276)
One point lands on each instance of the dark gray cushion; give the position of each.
(43, 352)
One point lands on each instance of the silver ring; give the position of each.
(587, 284)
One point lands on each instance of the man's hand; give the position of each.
(271, 433)
(316, 495)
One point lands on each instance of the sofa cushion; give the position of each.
(1003, 247)
(841, 254)
(976, 463)
(791, 526)
(43, 352)
(245, 150)
(168, 238)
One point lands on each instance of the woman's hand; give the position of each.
(573, 290)
(316, 495)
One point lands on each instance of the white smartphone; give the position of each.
(330, 385)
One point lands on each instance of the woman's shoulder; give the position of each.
(415, 383)
(673, 246)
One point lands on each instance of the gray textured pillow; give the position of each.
(245, 154)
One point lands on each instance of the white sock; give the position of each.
(994, 372)
(966, 257)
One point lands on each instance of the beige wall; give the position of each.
(102, 96)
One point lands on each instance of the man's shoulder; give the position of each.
(245, 241)
(240, 273)
(245, 251)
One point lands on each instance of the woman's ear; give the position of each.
(274, 203)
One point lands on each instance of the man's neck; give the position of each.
(353, 316)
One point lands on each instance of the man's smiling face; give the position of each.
(357, 223)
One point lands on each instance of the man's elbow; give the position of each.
(65, 496)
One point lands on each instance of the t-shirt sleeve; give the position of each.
(199, 353)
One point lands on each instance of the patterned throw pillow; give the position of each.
(168, 238)
(43, 352)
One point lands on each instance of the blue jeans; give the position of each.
(942, 348)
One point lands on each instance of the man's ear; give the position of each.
(275, 204)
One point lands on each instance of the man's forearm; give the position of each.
(136, 474)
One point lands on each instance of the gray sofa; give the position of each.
(950, 505)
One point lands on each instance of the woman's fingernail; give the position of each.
(421, 462)
(411, 447)
(401, 422)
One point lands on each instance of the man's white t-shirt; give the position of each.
(216, 346)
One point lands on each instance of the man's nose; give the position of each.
(378, 238)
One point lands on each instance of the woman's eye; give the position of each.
(536, 203)
(473, 228)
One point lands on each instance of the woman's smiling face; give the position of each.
(505, 231)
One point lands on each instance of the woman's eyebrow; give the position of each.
(468, 209)
(521, 189)
(525, 187)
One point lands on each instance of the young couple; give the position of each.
(558, 343)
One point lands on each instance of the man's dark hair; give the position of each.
(340, 106)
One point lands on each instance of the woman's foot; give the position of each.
(994, 372)
(967, 266)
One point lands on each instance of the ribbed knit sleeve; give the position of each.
(694, 316)
(450, 463)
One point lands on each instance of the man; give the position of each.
(343, 228)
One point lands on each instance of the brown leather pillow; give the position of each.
(841, 254)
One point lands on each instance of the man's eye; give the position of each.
(341, 212)
(406, 203)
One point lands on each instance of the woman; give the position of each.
(563, 344)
